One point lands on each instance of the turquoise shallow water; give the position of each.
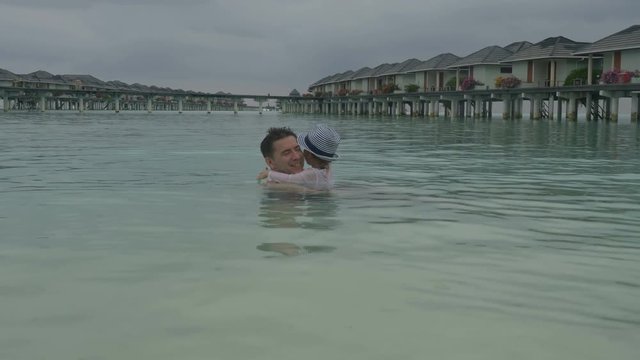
(136, 236)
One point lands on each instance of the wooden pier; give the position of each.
(45, 99)
(601, 102)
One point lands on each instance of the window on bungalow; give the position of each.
(505, 70)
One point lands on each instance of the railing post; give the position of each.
(589, 103)
(634, 107)
(5, 101)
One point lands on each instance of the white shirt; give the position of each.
(310, 177)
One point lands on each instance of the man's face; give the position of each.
(287, 156)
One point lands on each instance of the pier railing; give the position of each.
(545, 101)
(44, 98)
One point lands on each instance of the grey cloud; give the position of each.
(275, 45)
(81, 4)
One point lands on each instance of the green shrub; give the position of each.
(451, 83)
(581, 76)
(411, 88)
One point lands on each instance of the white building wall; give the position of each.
(418, 79)
(403, 80)
(359, 84)
(607, 62)
(565, 66)
(487, 74)
(448, 75)
(479, 74)
(431, 80)
(630, 60)
(399, 80)
(540, 73)
(519, 69)
(410, 79)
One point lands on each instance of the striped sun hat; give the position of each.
(322, 142)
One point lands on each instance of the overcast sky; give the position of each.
(273, 46)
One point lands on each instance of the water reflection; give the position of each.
(299, 208)
(289, 249)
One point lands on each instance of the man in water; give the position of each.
(281, 151)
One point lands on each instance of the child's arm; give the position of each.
(263, 174)
(305, 177)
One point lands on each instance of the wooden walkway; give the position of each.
(602, 101)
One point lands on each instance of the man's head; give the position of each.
(281, 151)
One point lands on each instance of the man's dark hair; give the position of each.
(274, 134)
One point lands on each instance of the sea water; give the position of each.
(146, 236)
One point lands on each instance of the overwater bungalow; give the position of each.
(619, 51)
(378, 80)
(397, 74)
(359, 82)
(546, 63)
(328, 85)
(118, 85)
(318, 88)
(43, 80)
(342, 82)
(7, 78)
(432, 74)
(85, 82)
(484, 66)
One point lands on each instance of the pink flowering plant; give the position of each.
(507, 82)
(609, 77)
(411, 88)
(389, 88)
(469, 83)
(618, 76)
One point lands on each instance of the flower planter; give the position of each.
(624, 78)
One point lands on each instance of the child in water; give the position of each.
(319, 150)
